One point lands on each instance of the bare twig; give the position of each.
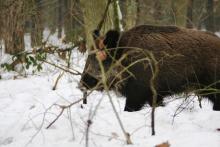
(88, 124)
(155, 70)
(39, 129)
(63, 107)
(99, 27)
(57, 80)
(104, 80)
(181, 107)
(61, 112)
(71, 124)
(64, 69)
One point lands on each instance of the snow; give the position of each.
(27, 108)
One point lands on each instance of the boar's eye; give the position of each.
(111, 39)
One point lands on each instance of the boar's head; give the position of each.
(104, 52)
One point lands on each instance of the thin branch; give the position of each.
(66, 70)
(57, 80)
(104, 81)
(99, 27)
(61, 112)
(63, 107)
(155, 71)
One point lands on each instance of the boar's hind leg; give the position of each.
(216, 105)
(215, 99)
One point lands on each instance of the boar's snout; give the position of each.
(87, 82)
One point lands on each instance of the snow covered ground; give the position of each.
(27, 108)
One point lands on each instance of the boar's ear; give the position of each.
(111, 39)
(95, 34)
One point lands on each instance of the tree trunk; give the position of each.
(199, 13)
(210, 26)
(14, 27)
(122, 4)
(143, 13)
(1, 18)
(130, 15)
(217, 15)
(189, 14)
(68, 22)
(60, 18)
(179, 12)
(117, 21)
(52, 18)
(73, 23)
(157, 11)
(36, 24)
(93, 11)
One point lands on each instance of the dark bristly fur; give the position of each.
(188, 61)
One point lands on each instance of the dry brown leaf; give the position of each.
(165, 144)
